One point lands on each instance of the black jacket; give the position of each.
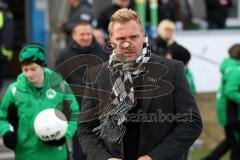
(104, 18)
(6, 39)
(71, 61)
(105, 15)
(161, 140)
(177, 51)
(216, 13)
(83, 12)
(166, 10)
(159, 46)
(6, 30)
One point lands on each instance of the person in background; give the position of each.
(80, 10)
(104, 18)
(165, 41)
(6, 37)
(167, 9)
(83, 43)
(227, 106)
(165, 45)
(185, 15)
(183, 55)
(217, 13)
(179, 12)
(25, 98)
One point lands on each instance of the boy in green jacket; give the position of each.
(228, 106)
(37, 88)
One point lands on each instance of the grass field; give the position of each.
(198, 154)
(212, 132)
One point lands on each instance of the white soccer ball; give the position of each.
(50, 124)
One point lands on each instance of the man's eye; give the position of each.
(134, 37)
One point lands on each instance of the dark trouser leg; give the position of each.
(233, 136)
(77, 149)
(219, 151)
(222, 148)
(235, 152)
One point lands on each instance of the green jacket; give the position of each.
(190, 81)
(228, 90)
(29, 102)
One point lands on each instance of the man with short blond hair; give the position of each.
(80, 10)
(137, 106)
(123, 17)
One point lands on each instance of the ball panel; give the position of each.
(50, 124)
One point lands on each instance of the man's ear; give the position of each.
(111, 42)
(73, 36)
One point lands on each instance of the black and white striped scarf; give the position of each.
(122, 97)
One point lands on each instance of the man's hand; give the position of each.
(146, 157)
(114, 159)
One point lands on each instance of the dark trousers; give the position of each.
(77, 149)
(229, 143)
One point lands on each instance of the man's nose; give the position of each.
(86, 36)
(126, 44)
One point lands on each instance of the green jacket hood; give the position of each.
(228, 63)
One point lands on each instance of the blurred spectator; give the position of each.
(165, 40)
(177, 11)
(104, 18)
(83, 43)
(185, 15)
(182, 54)
(80, 10)
(227, 106)
(165, 45)
(6, 37)
(217, 13)
(99, 36)
(168, 9)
